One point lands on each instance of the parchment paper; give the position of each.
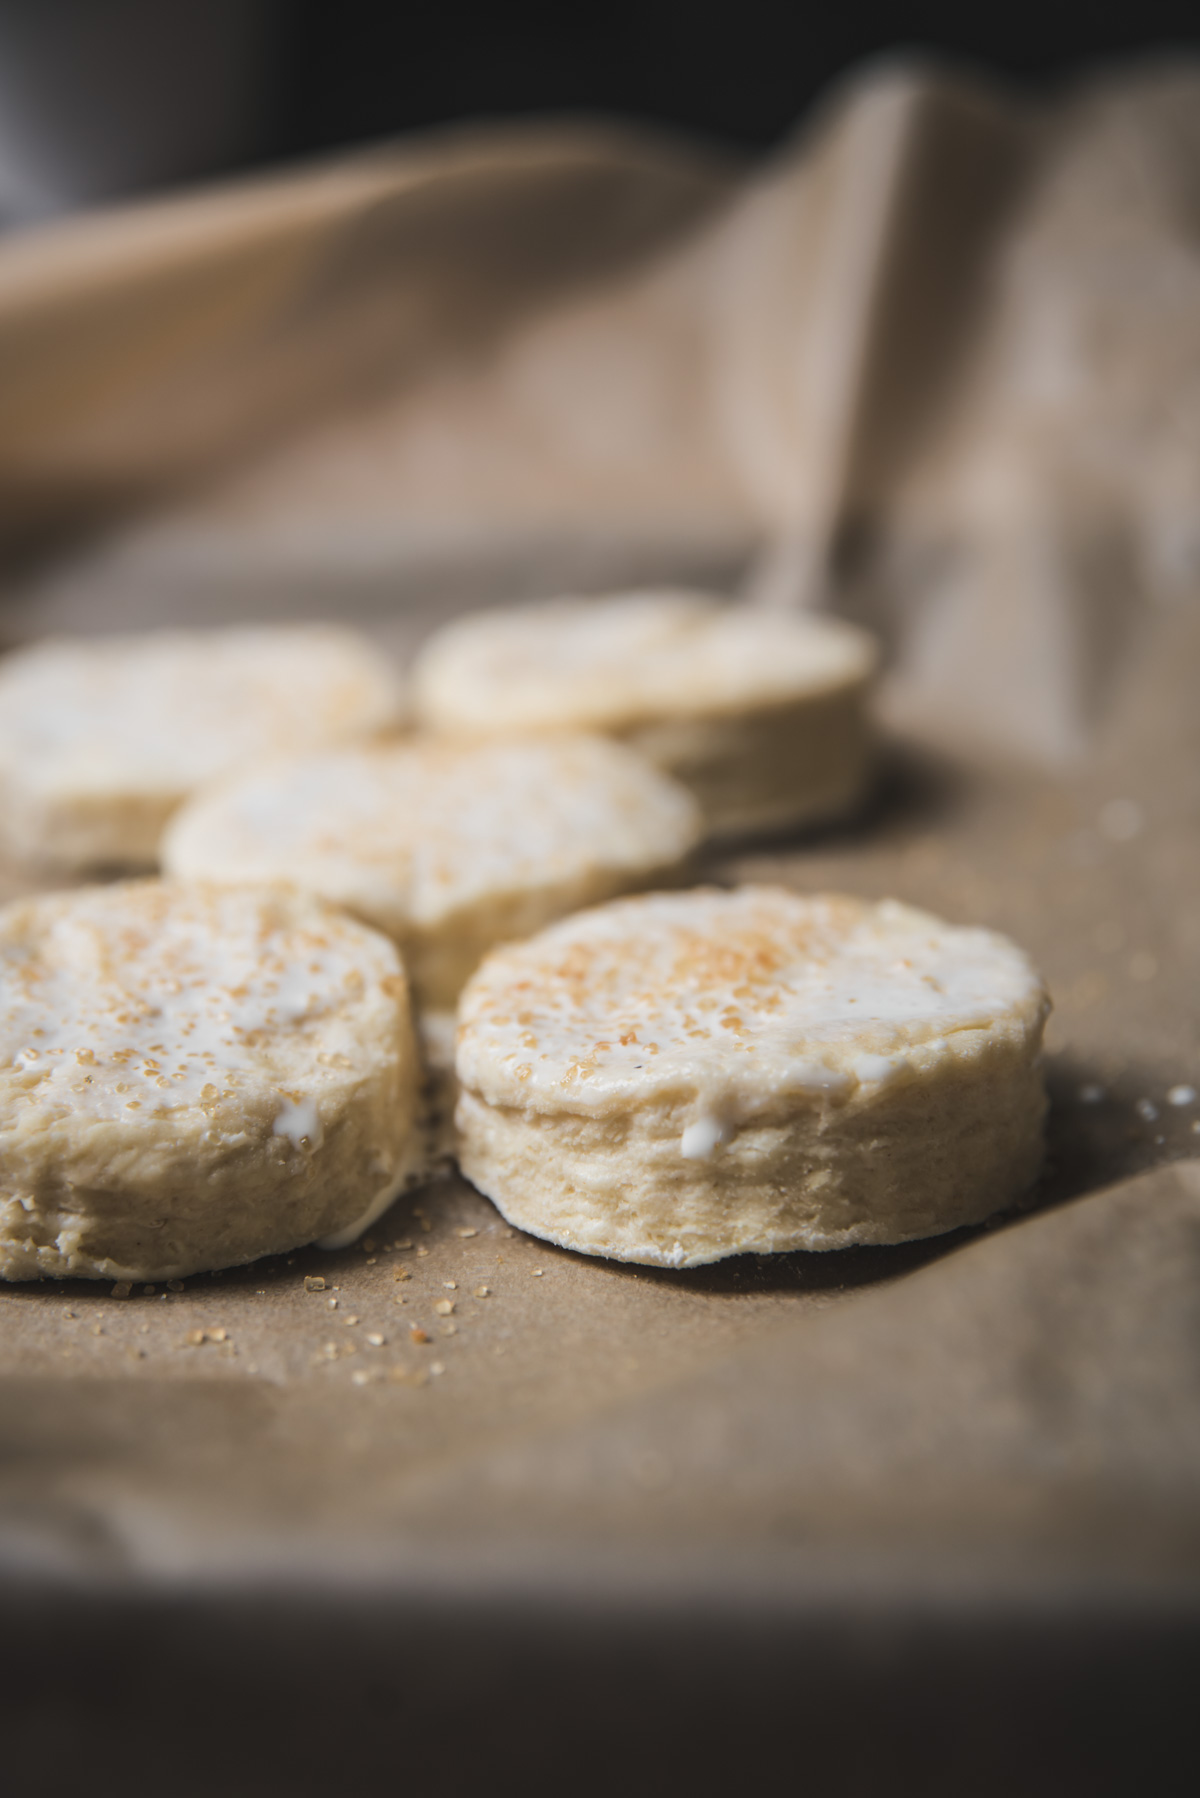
(936, 366)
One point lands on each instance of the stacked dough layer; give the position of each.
(449, 849)
(102, 739)
(680, 1077)
(762, 715)
(193, 1078)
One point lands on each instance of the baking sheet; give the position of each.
(1037, 1376)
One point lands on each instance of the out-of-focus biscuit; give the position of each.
(762, 714)
(448, 848)
(101, 739)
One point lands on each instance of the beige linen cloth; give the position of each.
(935, 365)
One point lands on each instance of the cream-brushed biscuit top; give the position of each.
(164, 712)
(615, 662)
(417, 833)
(136, 1000)
(732, 999)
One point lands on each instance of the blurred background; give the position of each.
(104, 98)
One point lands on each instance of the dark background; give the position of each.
(100, 99)
(736, 69)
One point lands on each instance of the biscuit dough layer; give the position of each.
(101, 739)
(449, 848)
(761, 714)
(191, 1078)
(679, 1077)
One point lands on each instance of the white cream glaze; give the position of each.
(148, 998)
(164, 712)
(611, 662)
(725, 1002)
(298, 1120)
(702, 1136)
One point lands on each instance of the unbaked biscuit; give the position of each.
(679, 1077)
(762, 714)
(191, 1078)
(102, 738)
(448, 848)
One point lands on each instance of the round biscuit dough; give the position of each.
(763, 715)
(449, 848)
(102, 738)
(191, 1078)
(678, 1077)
